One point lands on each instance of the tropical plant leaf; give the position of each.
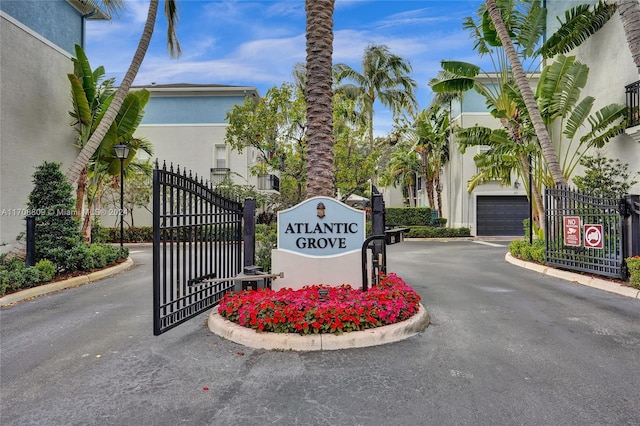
(81, 110)
(579, 23)
(460, 68)
(572, 83)
(531, 24)
(578, 116)
(83, 71)
(604, 126)
(473, 136)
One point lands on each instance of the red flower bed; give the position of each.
(305, 311)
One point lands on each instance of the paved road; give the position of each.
(507, 346)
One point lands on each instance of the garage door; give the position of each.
(501, 215)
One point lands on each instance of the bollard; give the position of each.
(31, 241)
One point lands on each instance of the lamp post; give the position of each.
(122, 152)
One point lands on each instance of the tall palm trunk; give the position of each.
(544, 139)
(629, 11)
(110, 115)
(438, 185)
(534, 191)
(319, 93)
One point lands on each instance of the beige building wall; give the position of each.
(34, 118)
(459, 204)
(197, 148)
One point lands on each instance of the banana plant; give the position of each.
(91, 97)
(573, 127)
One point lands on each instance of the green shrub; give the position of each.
(78, 258)
(47, 269)
(408, 216)
(434, 232)
(633, 266)
(51, 200)
(98, 255)
(16, 276)
(521, 249)
(266, 240)
(440, 221)
(538, 251)
(4, 281)
(100, 234)
(516, 247)
(31, 276)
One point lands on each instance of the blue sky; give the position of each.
(257, 43)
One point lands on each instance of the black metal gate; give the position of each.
(568, 246)
(197, 245)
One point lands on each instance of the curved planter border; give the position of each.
(42, 290)
(318, 342)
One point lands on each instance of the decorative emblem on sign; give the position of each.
(320, 209)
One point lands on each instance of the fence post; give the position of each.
(378, 228)
(377, 214)
(632, 225)
(31, 241)
(249, 232)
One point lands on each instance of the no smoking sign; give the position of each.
(593, 236)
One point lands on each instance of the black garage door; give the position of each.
(501, 215)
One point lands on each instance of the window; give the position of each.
(220, 157)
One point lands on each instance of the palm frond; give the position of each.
(579, 23)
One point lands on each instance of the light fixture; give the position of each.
(122, 152)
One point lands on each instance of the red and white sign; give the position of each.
(593, 236)
(572, 231)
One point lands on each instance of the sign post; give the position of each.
(572, 231)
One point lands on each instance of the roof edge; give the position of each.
(90, 9)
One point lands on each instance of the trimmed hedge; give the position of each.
(521, 249)
(408, 216)
(437, 232)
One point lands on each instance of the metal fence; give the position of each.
(197, 246)
(584, 233)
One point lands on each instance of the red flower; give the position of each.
(305, 311)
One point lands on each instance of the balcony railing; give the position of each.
(633, 104)
(268, 183)
(219, 174)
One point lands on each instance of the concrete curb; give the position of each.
(42, 290)
(586, 280)
(318, 342)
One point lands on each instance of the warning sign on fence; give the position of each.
(572, 231)
(593, 236)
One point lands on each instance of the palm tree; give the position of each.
(432, 133)
(319, 93)
(629, 11)
(402, 170)
(527, 94)
(90, 99)
(74, 171)
(88, 95)
(384, 77)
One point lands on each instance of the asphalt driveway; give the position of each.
(506, 346)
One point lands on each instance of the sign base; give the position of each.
(300, 270)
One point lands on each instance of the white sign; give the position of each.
(321, 226)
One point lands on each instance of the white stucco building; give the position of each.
(37, 44)
(495, 210)
(186, 125)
